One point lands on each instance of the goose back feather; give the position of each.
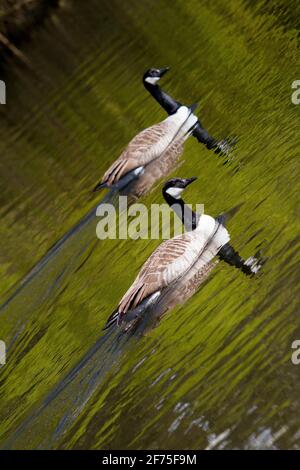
(173, 259)
(149, 144)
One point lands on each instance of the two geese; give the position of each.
(160, 146)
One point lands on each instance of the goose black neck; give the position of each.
(165, 101)
(171, 106)
(187, 216)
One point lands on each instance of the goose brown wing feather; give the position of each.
(137, 153)
(152, 276)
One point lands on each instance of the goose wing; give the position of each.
(167, 263)
(142, 149)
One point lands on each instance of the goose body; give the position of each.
(162, 166)
(159, 140)
(179, 265)
(173, 259)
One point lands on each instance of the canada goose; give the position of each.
(162, 166)
(150, 81)
(175, 257)
(148, 146)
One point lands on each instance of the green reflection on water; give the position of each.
(218, 364)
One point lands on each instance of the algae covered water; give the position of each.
(217, 371)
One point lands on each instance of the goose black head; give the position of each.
(175, 186)
(153, 75)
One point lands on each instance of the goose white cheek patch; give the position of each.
(174, 192)
(152, 80)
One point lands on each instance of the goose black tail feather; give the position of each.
(111, 320)
(222, 219)
(99, 186)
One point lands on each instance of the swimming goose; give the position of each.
(150, 81)
(148, 146)
(174, 258)
(164, 165)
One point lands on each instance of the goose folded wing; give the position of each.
(167, 263)
(140, 151)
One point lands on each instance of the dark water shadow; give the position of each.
(80, 385)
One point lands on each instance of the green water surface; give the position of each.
(217, 371)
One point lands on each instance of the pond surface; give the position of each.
(217, 371)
